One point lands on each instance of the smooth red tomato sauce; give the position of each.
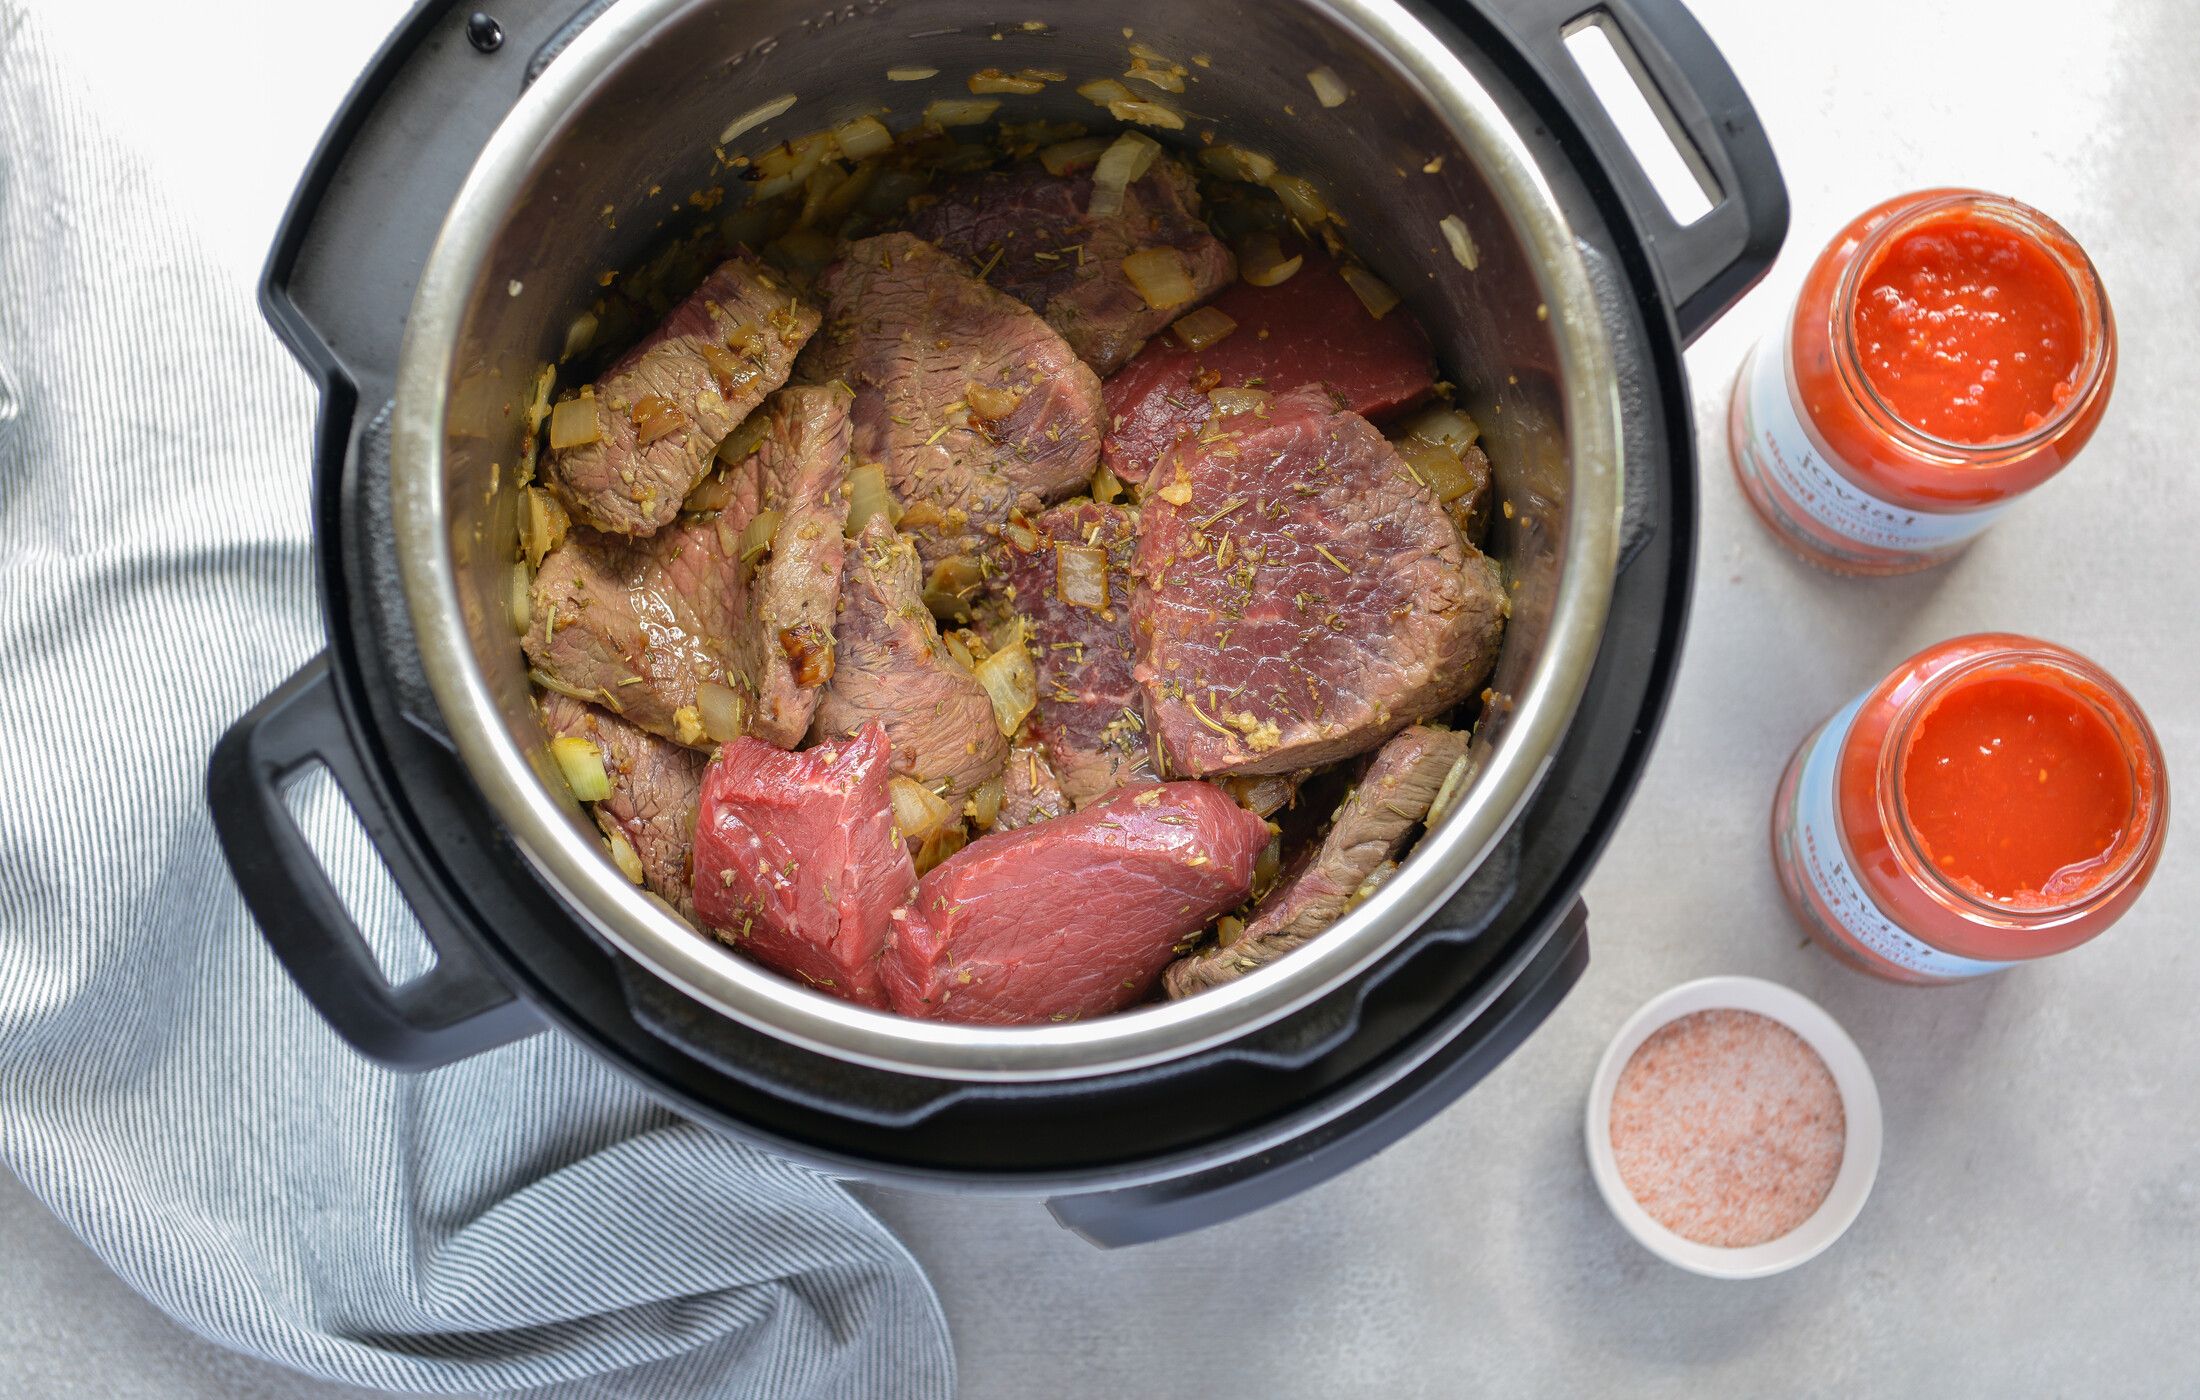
(1969, 330)
(2016, 787)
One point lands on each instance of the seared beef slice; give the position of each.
(1072, 917)
(654, 787)
(796, 861)
(1301, 596)
(1030, 791)
(1087, 716)
(662, 410)
(1069, 267)
(891, 667)
(1391, 798)
(972, 404)
(637, 625)
(1311, 329)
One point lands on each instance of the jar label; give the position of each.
(1824, 864)
(1807, 483)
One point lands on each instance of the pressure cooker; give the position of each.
(452, 225)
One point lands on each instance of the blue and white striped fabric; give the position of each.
(521, 1224)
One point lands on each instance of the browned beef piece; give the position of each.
(1301, 596)
(972, 404)
(654, 787)
(636, 624)
(1087, 717)
(1072, 917)
(892, 667)
(1068, 267)
(1030, 791)
(1392, 798)
(664, 407)
(785, 645)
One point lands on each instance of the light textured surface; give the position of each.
(2036, 1228)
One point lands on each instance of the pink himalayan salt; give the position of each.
(1727, 1128)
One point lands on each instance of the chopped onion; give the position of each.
(1105, 92)
(1453, 788)
(543, 523)
(1228, 930)
(958, 648)
(1161, 277)
(523, 599)
(918, 810)
(806, 250)
(1202, 328)
(1300, 197)
(1447, 426)
(579, 335)
(582, 764)
(955, 111)
(994, 80)
(1011, 683)
(753, 118)
(910, 75)
(756, 536)
(573, 422)
(743, 441)
(990, 402)
(954, 581)
(622, 855)
(538, 399)
(722, 710)
(1123, 162)
(1063, 157)
(818, 190)
(1328, 87)
(1236, 163)
(1373, 292)
(1262, 263)
(713, 493)
(1267, 865)
(984, 806)
(942, 843)
(1435, 445)
(1147, 113)
(1462, 243)
(1106, 489)
(1228, 401)
(687, 724)
(863, 137)
(655, 417)
(868, 495)
(1081, 575)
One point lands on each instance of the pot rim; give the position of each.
(541, 823)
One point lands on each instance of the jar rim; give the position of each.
(2086, 682)
(2060, 248)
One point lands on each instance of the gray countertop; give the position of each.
(2036, 1225)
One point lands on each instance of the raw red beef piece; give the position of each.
(796, 861)
(1311, 329)
(1075, 916)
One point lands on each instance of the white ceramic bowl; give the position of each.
(1859, 1102)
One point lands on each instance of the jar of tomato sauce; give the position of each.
(1949, 351)
(1996, 799)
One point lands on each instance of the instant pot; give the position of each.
(492, 165)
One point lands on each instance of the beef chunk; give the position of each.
(1301, 596)
(892, 668)
(1008, 930)
(654, 787)
(1392, 797)
(1087, 715)
(664, 407)
(637, 624)
(785, 645)
(969, 400)
(1308, 330)
(796, 861)
(1068, 267)
(1030, 791)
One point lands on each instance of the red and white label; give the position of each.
(1808, 484)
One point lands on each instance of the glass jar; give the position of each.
(1854, 848)
(1831, 466)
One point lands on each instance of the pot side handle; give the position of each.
(1707, 264)
(454, 1010)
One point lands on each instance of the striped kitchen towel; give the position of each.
(525, 1223)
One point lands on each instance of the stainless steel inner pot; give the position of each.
(637, 103)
